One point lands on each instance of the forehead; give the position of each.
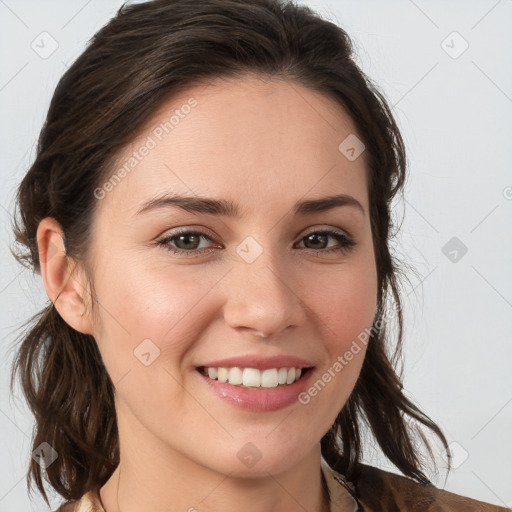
(246, 139)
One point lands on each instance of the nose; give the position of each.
(262, 299)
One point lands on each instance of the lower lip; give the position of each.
(260, 399)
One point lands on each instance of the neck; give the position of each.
(154, 477)
(128, 491)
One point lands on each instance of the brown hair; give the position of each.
(147, 52)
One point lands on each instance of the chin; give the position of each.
(255, 459)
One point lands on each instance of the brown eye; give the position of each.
(315, 240)
(318, 241)
(186, 243)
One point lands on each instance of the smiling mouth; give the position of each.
(253, 378)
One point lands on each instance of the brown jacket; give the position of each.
(375, 490)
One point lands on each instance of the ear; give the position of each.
(63, 278)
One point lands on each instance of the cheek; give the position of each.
(150, 320)
(344, 306)
(144, 310)
(344, 303)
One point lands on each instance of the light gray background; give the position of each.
(455, 115)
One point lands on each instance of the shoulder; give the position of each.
(382, 490)
(89, 502)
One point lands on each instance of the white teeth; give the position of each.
(222, 374)
(281, 375)
(252, 377)
(235, 376)
(269, 378)
(291, 375)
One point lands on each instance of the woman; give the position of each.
(209, 210)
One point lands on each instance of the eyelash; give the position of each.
(346, 243)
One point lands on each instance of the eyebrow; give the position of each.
(228, 208)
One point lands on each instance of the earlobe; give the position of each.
(64, 281)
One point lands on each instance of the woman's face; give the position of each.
(255, 283)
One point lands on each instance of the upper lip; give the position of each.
(259, 362)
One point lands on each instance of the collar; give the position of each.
(89, 502)
(342, 495)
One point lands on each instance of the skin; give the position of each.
(264, 144)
